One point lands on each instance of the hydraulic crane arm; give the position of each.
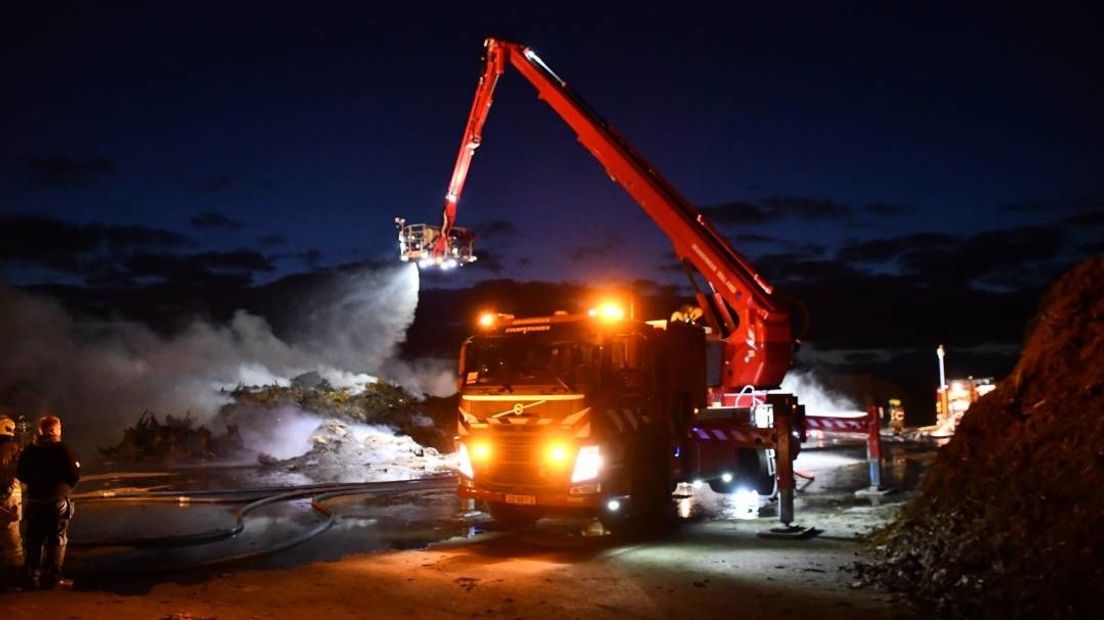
(740, 305)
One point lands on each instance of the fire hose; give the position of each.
(254, 499)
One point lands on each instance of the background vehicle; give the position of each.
(953, 399)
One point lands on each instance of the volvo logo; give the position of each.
(519, 409)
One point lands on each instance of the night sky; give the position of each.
(859, 154)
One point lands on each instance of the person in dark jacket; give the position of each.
(50, 470)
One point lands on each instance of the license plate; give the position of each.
(528, 500)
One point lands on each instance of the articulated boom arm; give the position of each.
(754, 326)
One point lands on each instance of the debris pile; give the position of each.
(174, 440)
(376, 429)
(356, 453)
(1009, 520)
(377, 403)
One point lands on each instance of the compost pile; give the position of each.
(175, 439)
(377, 403)
(385, 419)
(358, 453)
(1010, 520)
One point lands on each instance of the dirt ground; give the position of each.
(714, 567)
(706, 570)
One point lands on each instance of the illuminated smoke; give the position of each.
(818, 400)
(100, 375)
(281, 432)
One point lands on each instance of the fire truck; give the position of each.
(601, 413)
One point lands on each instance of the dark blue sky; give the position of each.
(149, 141)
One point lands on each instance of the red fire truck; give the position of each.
(599, 412)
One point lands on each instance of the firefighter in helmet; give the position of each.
(50, 470)
(11, 505)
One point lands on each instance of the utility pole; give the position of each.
(943, 404)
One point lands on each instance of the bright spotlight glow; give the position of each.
(487, 319)
(745, 504)
(588, 464)
(480, 450)
(464, 463)
(557, 453)
(697, 484)
(608, 311)
(613, 505)
(726, 477)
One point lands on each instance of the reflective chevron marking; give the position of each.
(840, 425)
(749, 436)
(612, 415)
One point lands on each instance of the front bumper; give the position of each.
(585, 495)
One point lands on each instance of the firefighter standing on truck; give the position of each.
(11, 508)
(50, 470)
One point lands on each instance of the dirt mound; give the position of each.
(1010, 521)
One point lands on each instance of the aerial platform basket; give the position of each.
(423, 244)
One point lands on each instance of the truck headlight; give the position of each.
(558, 454)
(588, 463)
(464, 461)
(478, 452)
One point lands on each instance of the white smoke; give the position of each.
(281, 432)
(358, 321)
(818, 400)
(100, 375)
(436, 377)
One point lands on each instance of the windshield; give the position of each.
(530, 359)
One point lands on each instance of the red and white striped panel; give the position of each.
(750, 436)
(839, 425)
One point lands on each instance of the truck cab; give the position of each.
(574, 412)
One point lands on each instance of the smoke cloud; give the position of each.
(100, 375)
(818, 400)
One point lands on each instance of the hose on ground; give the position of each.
(257, 498)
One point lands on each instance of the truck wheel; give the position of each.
(513, 517)
(752, 473)
(651, 507)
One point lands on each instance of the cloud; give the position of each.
(882, 209)
(62, 171)
(310, 256)
(73, 248)
(271, 241)
(1027, 206)
(1086, 219)
(1004, 257)
(494, 229)
(754, 238)
(807, 208)
(204, 267)
(590, 251)
(488, 261)
(890, 249)
(211, 219)
(739, 213)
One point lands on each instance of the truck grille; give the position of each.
(517, 463)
